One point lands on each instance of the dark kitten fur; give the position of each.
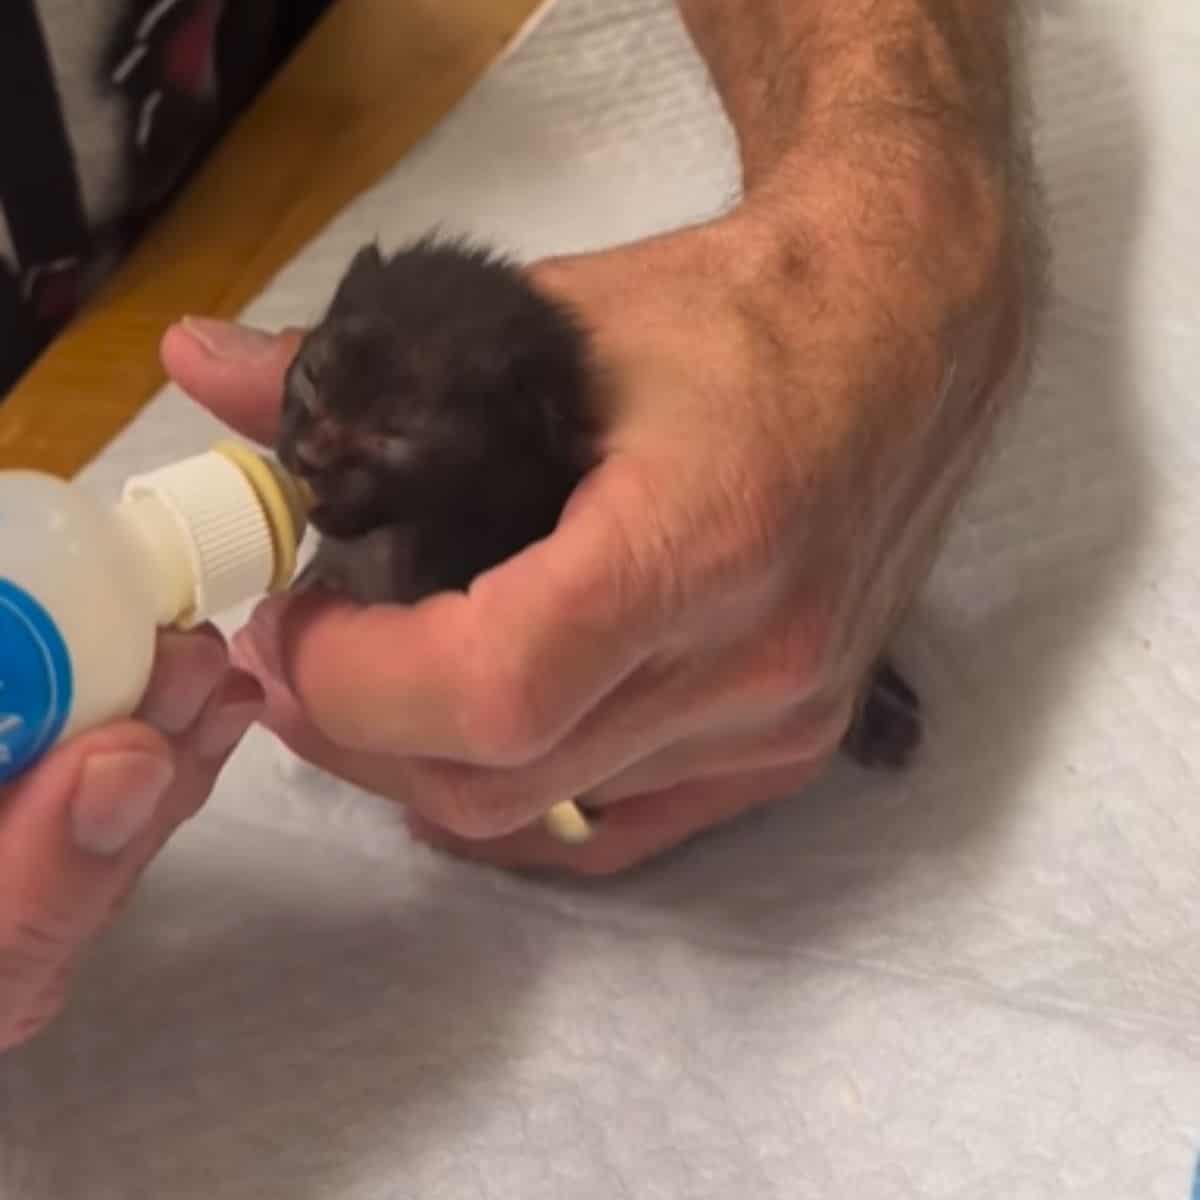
(443, 402)
(443, 410)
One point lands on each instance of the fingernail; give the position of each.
(116, 798)
(227, 340)
(239, 704)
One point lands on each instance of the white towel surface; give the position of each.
(981, 980)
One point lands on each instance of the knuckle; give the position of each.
(510, 723)
(457, 799)
(801, 662)
(30, 944)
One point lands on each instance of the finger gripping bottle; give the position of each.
(86, 585)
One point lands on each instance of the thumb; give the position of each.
(232, 370)
(72, 835)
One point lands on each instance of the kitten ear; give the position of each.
(360, 284)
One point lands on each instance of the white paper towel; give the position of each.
(982, 980)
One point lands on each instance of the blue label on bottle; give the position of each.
(35, 681)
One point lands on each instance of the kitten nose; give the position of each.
(308, 459)
(316, 453)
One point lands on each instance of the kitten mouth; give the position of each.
(324, 512)
(324, 487)
(318, 514)
(338, 497)
(336, 521)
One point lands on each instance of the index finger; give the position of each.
(498, 674)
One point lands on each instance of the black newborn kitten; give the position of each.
(443, 411)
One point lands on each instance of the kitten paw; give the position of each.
(888, 726)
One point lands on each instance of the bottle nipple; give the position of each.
(286, 502)
(224, 527)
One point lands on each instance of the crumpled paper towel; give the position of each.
(982, 980)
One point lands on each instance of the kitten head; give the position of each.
(357, 425)
(428, 369)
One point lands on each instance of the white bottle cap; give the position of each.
(237, 520)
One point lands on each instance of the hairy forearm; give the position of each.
(884, 152)
(793, 72)
(893, 131)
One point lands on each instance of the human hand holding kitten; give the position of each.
(772, 461)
